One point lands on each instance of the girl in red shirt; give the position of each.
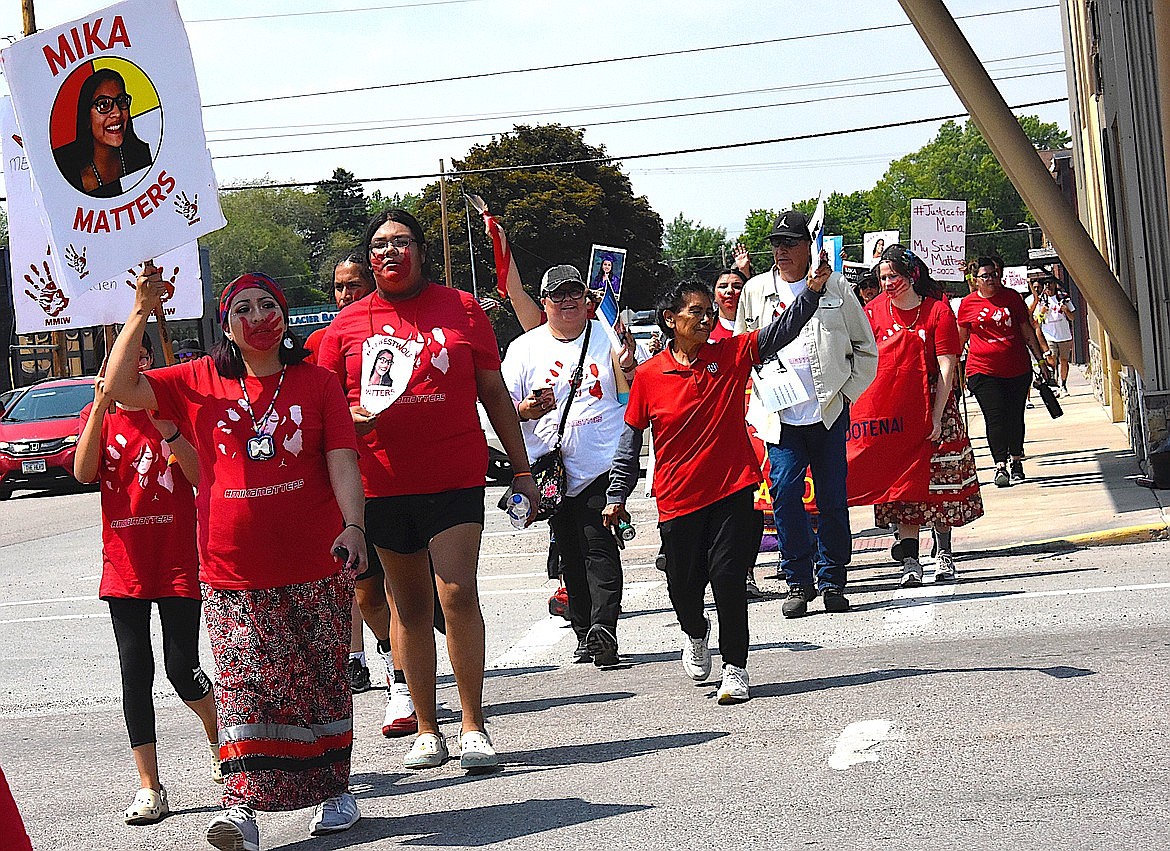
(145, 468)
(913, 324)
(279, 506)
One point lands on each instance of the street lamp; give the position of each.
(1029, 229)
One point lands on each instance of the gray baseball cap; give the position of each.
(559, 276)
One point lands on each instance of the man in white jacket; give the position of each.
(828, 367)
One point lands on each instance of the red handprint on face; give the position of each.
(45, 291)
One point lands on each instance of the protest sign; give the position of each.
(39, 301)
(1016, 278)
(116, 182)
(873, 244)
(938, 234)
(607, 265)
(816, 229)
(834, 245)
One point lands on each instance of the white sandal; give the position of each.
(428, 751)
(148, 807)
(216, 768)
(476, 753)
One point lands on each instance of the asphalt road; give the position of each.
(1023, 707)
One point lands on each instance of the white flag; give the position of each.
(816, 229)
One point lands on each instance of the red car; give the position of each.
(38, 435)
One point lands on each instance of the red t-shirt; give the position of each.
(720, 332)
(997, 345)
(313, 343)
(701, 448)
(262, 524)
(429, 439)
(935, 325)
(148, 512)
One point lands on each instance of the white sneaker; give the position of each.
(944, 568)
(696, 656)
(400, 718)
(334, 815)
(911, 573)
(234, 830)
(734, 688)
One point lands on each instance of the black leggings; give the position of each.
(1002, 401)
(713, 545)
(180, 627)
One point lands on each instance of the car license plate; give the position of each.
(38, 466)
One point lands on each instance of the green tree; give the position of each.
(552, 215)
(275, 231)
(377, 202)
(695, 249)
(958, 164)
(344, 203)
(3, 229)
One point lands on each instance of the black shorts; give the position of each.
(374, 564)
(406, 524)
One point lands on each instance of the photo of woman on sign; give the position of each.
(380, 374)
(106, 149)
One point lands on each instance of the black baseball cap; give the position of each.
(792, 224)
(560, 276)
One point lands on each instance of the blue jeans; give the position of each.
(822, 449)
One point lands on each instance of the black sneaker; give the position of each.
(1018, 471)
(835, 601)
(796, 606)
(582, 653)
(1002, 480)
(358, 675)
(602, 644)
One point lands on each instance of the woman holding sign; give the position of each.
(275, 441)
(705, 470)
(424, 462)
(915, 329)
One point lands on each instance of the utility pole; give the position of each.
(443, 219)
(470, 248)
(60, 361)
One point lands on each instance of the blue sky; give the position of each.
(843, 78)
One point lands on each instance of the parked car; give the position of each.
(39, 433)
(7, 397)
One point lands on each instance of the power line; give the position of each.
(328, 12)
(428, 121)
(319, 148)
(612, 159)
(613, 59)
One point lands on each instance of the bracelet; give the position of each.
(521, 475)
(354, 525)
(173, 437)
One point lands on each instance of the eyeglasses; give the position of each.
(994, 276)
(785, 241)
(576, 294)
(399, 243)
(105, 104)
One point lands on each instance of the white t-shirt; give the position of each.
(795, 355)
(1055, 324)
(538, 359)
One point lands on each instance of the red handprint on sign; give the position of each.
(168, 284)
(45, 291)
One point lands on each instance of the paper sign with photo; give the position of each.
(117, 184)
(873, 244)
(778, 386)
(40, 302)
(607, 268)
(387, 365)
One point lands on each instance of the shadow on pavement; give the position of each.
(472, 827)
(520, 707)
(789, 689)
(965, 579)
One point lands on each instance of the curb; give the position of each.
(1102, 538)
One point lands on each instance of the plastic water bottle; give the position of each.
(519, 510)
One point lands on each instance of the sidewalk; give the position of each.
(1080, 491)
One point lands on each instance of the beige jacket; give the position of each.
(840, 343)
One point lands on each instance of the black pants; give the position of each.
(1002, 401)
(180, 627)
(590, 564)
(714, 544)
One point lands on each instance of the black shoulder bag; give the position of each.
(548, 471)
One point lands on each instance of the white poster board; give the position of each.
(117, 181)
(39, 301)
(873, 244)
(1016, 278)
(938, 234)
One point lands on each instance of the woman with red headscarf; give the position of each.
(276, 444)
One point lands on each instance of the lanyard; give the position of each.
(261, 447)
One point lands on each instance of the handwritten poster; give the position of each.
(938, 234)
(111, 125)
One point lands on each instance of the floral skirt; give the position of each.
(285, 707)
(954, 498)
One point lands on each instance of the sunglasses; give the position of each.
(785, 241)
(105, 104)
(576, 293)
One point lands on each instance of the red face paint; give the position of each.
(893, 284)
(392, 271)
(727, 295)
(265, 334)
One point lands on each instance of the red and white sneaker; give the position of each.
(400, 718)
